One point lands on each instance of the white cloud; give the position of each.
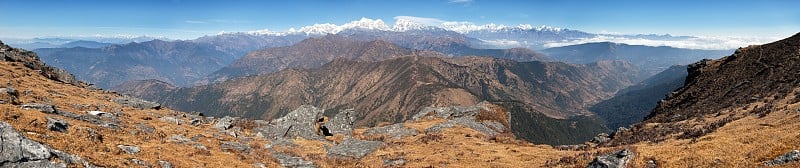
(702, 42)
(503, 43)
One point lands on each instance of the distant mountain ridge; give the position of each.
(317, 51)
(177, 62)
(651, 59)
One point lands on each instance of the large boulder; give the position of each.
(300, 122)
(342, 123)
(18, 151)
(619, 159)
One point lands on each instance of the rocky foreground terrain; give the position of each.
(48, 120)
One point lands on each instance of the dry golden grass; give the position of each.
(77, 140)
(746, 142)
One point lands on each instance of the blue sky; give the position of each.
(188, 19)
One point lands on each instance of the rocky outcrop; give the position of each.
(31, 60)
(133, 102)
(395, 131)
(461, 115)
(18, 151)
(342, 122)
(619, 159)
(791, 156)
(354, 148)
(45, 108)
(287, 160)
(300, 122)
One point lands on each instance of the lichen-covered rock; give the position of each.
(396, 131)
(619, 159)
(300, 122)
(342, 123)
(354, 148)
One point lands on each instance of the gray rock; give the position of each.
(129, 149)
(300, 122)
(469, 122)
(396, 131)
(18, 151)
(436, 128)
(494, 125)
(171, 119)
(354, 148)
(140, 162)
(178, 139)
(71, 159)
(57, 125)
(292, 161)
(36, 163)
(600, 138)
(617, 159)
(394, 162)
(342, 123)
(9, 95)
(234, 146)
(791, 156)
(133, 102)
(164, 164)
(146, 128)
(45, 108)
(224, 123)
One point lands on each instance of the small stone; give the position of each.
(140, 162)
(178, 139)
(164, 164)
(129, 149)
(394, 162)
